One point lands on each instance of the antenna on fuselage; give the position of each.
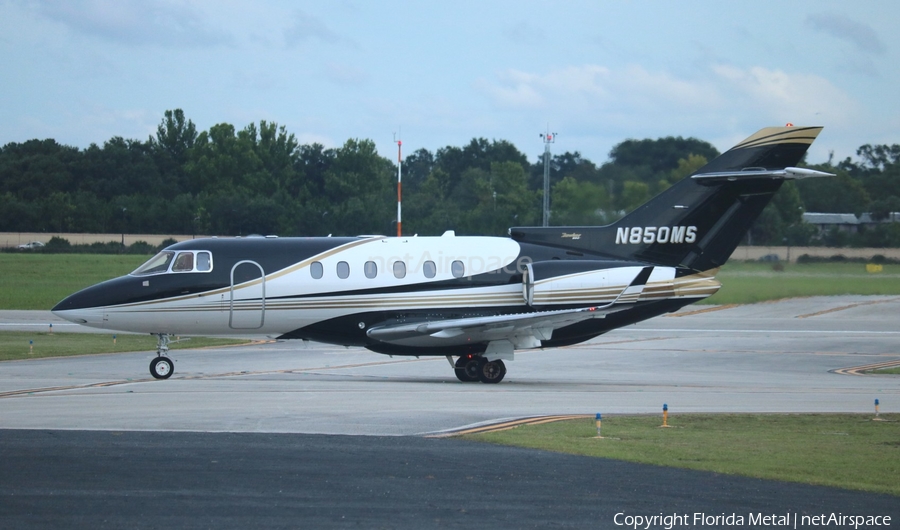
(399, 175)
(548, 138)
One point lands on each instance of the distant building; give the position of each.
(866, 219)
(825, 222)
(846, 222)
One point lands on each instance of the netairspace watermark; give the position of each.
(785, 520)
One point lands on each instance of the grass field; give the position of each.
(29, 345)
(39, 281)
(750, 282)
(842, 450)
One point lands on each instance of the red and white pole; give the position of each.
(399, 194)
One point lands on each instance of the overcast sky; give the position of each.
(441, 73)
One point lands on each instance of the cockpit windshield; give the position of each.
(172, 261)
(155, 265)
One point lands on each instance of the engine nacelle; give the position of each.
(576, 282)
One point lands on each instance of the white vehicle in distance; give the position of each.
(31, 245)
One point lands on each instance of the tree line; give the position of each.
(261, 180)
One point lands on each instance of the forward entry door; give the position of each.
(247, 307)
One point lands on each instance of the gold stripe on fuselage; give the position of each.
(694, 286)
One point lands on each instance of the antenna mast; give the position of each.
(548, 138)
(399, 179)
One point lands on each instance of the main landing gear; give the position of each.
(470, 368)
(162, 367)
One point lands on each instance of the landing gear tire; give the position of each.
(492, 372)
(162, 367)
(467, 368)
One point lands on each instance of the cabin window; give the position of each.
(370, 269)
(343, 270)
(399, 269)
(458, 269)
(316, 270)
(429, 269)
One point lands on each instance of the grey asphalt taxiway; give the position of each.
(771, 357)
(281, 409)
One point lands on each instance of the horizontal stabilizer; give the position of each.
(788, 173)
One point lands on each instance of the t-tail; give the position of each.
(699, 221)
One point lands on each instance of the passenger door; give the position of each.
(247, 306)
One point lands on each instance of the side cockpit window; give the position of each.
(176, 261)
(204, 262)
(184, 262)
(192, 261)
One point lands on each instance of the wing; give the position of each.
(522, 330)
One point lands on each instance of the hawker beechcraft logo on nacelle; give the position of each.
(655, 234)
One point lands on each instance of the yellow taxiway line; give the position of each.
(512, 424)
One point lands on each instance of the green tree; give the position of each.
(358, 188)
(511, 202)
(633, 195)
(781, 218)
(56, 212)
(427, 210)
(687, 166)
(278, 151)
(175, 135)
(416, 168)
(17, 215)
(577, 203)
(33, 169)
(883, 208)
(91, 213)
(122, 167)
(661, 155)
(223, 160)
(478, 154)
(839, 194)
(567, 164)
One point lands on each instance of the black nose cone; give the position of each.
(103, 294)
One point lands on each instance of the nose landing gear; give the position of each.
(162, 367)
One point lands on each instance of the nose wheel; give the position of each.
(161, 367)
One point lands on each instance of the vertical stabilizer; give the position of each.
(699, 221)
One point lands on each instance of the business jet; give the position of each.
(475, 299)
